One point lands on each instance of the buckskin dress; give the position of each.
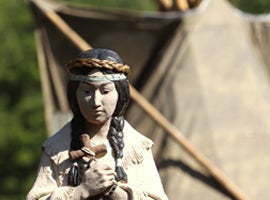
(143, 179)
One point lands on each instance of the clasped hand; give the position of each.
(96, 179)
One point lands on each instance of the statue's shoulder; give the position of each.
(133, 137)
(136, 145)
(59, 142)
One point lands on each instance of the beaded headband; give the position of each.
(103, 78)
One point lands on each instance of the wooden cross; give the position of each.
(87, 150)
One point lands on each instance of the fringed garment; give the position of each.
(143, 178)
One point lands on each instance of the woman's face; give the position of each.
(97, 100)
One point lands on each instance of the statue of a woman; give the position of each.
(98, 155)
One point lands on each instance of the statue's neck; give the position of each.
(98, 132)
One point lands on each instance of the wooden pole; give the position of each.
(180, 139)
(61, 25)
(165, 5)
(182, 5)
(44, 76)
(150, 110)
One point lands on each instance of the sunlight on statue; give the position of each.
(98, 155)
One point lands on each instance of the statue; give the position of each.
(98, 155)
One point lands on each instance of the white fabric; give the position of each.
(143, 178)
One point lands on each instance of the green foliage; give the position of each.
(22, 117)
(252, 6)
(122, 4)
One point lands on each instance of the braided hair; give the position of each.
(115, 133)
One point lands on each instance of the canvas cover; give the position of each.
(206, 70)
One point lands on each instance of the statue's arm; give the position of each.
(45, 185)
(144, 180)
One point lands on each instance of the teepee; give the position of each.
(206, 71)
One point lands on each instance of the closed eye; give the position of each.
(106, 88)
(105, 91)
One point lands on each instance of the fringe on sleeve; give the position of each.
(135, 146)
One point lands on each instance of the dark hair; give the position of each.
(115, 134)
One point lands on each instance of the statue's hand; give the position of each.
(96, 179)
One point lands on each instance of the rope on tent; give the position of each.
(148, 108)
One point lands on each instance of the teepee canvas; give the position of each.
(206, 70)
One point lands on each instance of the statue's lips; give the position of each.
(98, 112)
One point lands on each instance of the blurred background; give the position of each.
(22, 110)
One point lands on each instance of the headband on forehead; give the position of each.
(102, 78)
(96, 63)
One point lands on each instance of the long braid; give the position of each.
(74, 176)
(115, 137)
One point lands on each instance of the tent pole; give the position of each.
(148, 108)
(185, 144)
(165, 5)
